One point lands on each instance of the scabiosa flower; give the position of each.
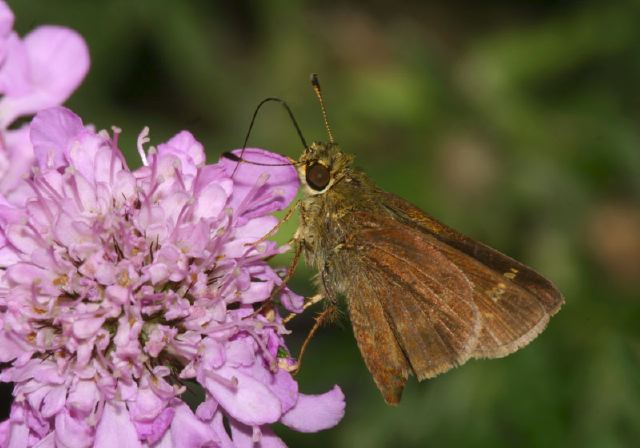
(37, 72)
(122, 291)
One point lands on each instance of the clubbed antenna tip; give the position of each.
(315, 83)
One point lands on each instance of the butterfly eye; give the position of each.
(318, 176)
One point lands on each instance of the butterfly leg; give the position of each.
(298, 242)
(307, 303)
(290, 270)
(268, 304)
(328, 315)
(320, 319)
(275, 228)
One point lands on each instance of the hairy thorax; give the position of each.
(326, 230)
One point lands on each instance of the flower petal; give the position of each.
(314, 413)
(187, 431)
(147, 405)
(184, 146)
(286, 389)
(270, 440)
(210, 201)
(10, 349)
(88, 327)
(280, 188)
(82, 398)
(155, 429)
(54, 401)
(246, 437)
(115, 428)
(51, 133)
(48, 442)
(250, 402)
(14, 75)
(57, 60)
(20, 151)
(71, 432)
(6, 19)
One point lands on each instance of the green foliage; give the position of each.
(516, 122)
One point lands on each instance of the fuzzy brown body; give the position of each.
(422, 298)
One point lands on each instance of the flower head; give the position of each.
(37, 72)
(121, 291)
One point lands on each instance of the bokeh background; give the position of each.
(517, 123)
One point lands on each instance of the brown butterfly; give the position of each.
(422, 297)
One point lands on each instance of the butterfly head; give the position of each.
(321, 165)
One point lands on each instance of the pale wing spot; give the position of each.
(497, 292)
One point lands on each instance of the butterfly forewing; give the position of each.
(411, 293)
(514, 301)
(427, 299)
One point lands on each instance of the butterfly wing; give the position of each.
(514, 302)
(378, 345)
(410, 307)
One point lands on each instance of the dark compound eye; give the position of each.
(318, 176)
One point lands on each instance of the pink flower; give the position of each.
(37, 72)
(122, 290)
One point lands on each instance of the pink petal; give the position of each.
(155, 429)
(286, 389)
(68, 232)
(240, 352)
(14, 75)
(86, 192)
(282, 183)
(51, 133)
(214, 174)
(86, 328)
(26, 274)
(270, 440)
(189, 150)
(8, 257)
(245, 437)
(187, 431)
(257, 291)
(48, 442)
(255, 228)
(206, 409)
(21, 155)
(72, 433)
(58, 60)
(118, 294)
(54, 401)
(22, 238)
(88, 155)
(210, 202)
(10, 349)
(292, 301)
(6, 19)
(314, 413)
(221, 432)
(165, 441)
(242, 435)
(82, 398)
(147, 405)
(250, 402)
(124, 186)
(18, 436)
(115, 428)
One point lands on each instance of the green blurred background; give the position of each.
(517, 123)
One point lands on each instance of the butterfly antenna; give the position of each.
(239, 159)
(315, 82)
